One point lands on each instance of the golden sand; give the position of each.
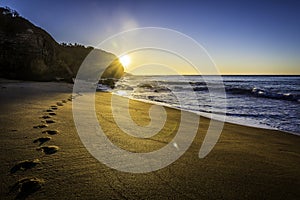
(246, 163)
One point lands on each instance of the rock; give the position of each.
(28, 52)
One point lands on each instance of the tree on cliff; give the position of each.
(30, 53)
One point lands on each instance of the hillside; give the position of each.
(28, 52)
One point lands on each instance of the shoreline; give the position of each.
(199, 113)
(247, 162)
(202, 114)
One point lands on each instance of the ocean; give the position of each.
(270, 102)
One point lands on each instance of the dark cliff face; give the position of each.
(28, 52)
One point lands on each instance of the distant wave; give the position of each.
(264, 93)
(162, 87)
(251, 100)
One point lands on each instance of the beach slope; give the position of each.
(42, 156)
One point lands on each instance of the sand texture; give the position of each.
(42, 156)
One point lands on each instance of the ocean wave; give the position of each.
(200, 89)
(123, 87)
(259, 110)
(151, 87)
(264, 93)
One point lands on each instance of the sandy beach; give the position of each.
(246, 163)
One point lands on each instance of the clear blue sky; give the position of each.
(256, 37)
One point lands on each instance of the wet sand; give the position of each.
(42, 156)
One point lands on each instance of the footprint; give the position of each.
(42, 140)
(24, 165)
(51, 132)
(26, 186)
(52, 113)
(49, 149)
(46, 117)
(59, 104)
(41, 126)
(49, 121)
(71, 97)
(49, 110)
(53, 107)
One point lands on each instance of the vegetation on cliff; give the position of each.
(28, 52)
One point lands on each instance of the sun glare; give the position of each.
(125, 60)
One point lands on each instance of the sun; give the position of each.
(125, 60)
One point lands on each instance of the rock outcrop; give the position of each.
(28, 52)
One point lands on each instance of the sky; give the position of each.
(242, 37)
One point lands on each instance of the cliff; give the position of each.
(28, 52)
